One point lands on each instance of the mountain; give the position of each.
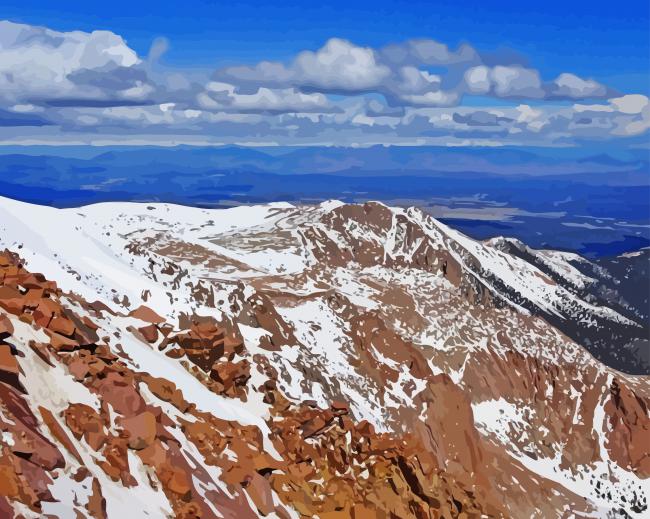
(597, 206)
(333, 361)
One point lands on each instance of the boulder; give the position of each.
(141, 430)
(84, 421)
(146, 314)
(6, 328)
(8, 362)
(62, 326)
(260, 492)
(231, 375)
(150, 333)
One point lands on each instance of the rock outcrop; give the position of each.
(364, 365)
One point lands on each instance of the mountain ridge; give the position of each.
(363, 320)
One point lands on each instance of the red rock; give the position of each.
(167, 391)
(9, 483)
(121, 392)
(361, 511)
(79, 369)
(58, 432)
(150, 333)
(62, 326)
(231, 374)
(60, 342)
(45, 311)
(6, 259)
(340, 407)
(141, 429)
(259, 490)
(316, 424)
(11, 300)
(96, 502)
(8, 362)
(81, 474)
(174, 479)
(189, 511)
(116, 465)
(89, 323)
(33, 297)
(85, 422)
(6, 328)
(146, 314)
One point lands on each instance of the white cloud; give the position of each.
(631, 104)
(478, 79)
(78, 83)
(572, 86)
(340, 65)
(220, 96)
(516, 82)
(38, 65)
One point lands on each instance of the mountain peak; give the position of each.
(245, 360)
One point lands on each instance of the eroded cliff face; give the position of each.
(338, 361)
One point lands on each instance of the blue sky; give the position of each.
(605, 43)
(605, 40)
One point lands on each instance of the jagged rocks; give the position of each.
(8, 363)
(6, 328)
(203, 343)
(629, 441)
(396, 308)
(84, 421)
(231, 377)
(150, 333)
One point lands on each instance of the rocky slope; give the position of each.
(330, 361)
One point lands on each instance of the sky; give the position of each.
(472, 73)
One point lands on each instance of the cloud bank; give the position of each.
(93, 88)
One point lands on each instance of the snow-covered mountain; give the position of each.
(314, 361)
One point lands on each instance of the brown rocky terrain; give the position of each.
(333, 362)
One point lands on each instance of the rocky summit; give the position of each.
(330, 361)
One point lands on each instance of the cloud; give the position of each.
(571, 86)
(504, 81)
(481, 118)
(427, 52)
(625, 116)
(158, 48)
(93, 87)
(403, 74)
(41, 66)
(223, 97)
(339, 66)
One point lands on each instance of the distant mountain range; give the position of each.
(370, 161)
(597, 205)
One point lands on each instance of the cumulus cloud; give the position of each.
(625, 116)
(504, 81)
(403, 74)
(41, 66)
(339, 66)
(223, 97)
(344, 68)
(94, 86)
(571, 86)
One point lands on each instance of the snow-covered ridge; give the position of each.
(85, 249)
(383, 308)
